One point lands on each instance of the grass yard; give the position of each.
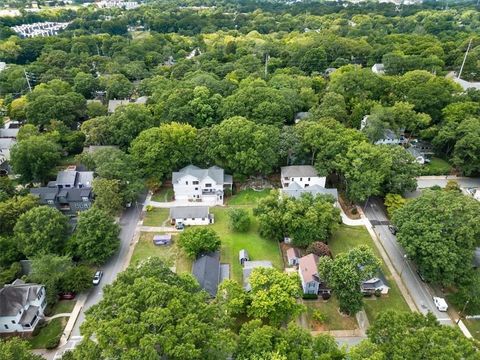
(334, 320)
(63, 306)
(164, 195)
(347, 237)
(257, 247)
(156, 217)
(248, 197)
(171, 254)
(474, 327)
(437, 166)
(51, 331)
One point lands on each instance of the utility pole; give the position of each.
(465, 58)
(28, 80)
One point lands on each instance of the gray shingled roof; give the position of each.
(249, 266)
(216, 173)
(15, 296)
(188, 212)
(66, 177)
(206, 270)
(295, 190)
(299, 171)
(114, 104)
(9, 133)
(28, 315)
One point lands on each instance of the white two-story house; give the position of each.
(21, 307)
(204, 185)
(303, 175)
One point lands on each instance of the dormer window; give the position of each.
(186, 182)
(208, 185)
(195, 183)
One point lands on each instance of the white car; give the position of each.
(97, 277)
(440, 303)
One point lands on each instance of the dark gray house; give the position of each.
(206, 270)
(70, 193)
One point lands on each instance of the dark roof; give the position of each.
(66, 177)
(28, 315)
(206, 270)
(16, 296)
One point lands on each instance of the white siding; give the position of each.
(193, 221)
(10, 324)
(305, 181)
(189, 188)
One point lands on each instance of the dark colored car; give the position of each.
(67, 296)
(393, 229)
(420, 275)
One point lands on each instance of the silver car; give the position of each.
(97, 277)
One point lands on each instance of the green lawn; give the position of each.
(171, 254)
(437, 166)
(258, 248)
(63, 306)
(51, 331)
(156, 217)
(334, 320)
(164, 195)
(474, 327)
(347, 237)
(248, 197)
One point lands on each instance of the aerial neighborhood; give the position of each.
(274, 180)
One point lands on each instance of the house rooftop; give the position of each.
(16, 296)
(114, 104)
(307, 265)
(189, 212)
(214, 172)
(292, 253)
(298, 171)
(206, 270)
(249, 266)
(295, 190)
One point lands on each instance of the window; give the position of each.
(301, 179)
(196, 189)
(186, 182)
(308, 179)
(307, 185)
(193, 219)
(184, 219)
(285, 178)
(208, 185)
(195, 183)
(6, 326)
(85, 198)
(50, 202)
(203, 219)
(13, 321)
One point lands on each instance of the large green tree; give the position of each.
(345, 273)
(439, 231)
(41, 230)
(17, 349)
(160, 150)
(34, 158)
(150, 313)
(273, 295)
(305, 220)
(11, 209)
(96, 236)
(243, 147)
(197, 240)
(415, 336)
(107, 195)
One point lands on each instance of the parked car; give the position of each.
(440, 303)
(97, 277)
(393, 229)
(67, 296)
(179, 226)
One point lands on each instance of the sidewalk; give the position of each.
(388, 262)
(351, 222)
(73, 318)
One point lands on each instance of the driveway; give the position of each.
(116, 264)
(419, 291)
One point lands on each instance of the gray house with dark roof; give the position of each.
(21, 307)
(70, 193)
(201, 185)
(206, 270)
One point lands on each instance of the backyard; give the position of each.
(437, 166)
(156, 217)
(248, 197)
(347, 237)
(163, 195)
(333, 320)
(170, 254)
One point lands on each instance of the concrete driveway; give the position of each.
(419, 291)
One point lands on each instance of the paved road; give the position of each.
(419, 291)
(128, 223)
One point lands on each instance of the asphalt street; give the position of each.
(419, 291)
(128, 224)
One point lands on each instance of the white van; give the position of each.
(440, 303)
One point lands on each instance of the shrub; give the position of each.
(149, 208)
(195, 241)
(319, 248)
(309, 296)
(320, 317)
(53, 342)
(326, 296)
(239, 220)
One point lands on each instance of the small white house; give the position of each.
(21, 307)
(419, 158)
(204, 185)
(292, 256)
(191, 215)
(303, 175)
